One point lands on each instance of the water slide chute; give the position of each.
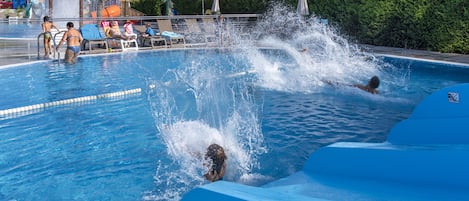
(110, 11)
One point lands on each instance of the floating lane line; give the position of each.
(83, 99)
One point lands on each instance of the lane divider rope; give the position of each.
(42, 106)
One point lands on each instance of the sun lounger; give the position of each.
(166, 31)
(210, 30)
(92, 36)
(156, 41)
(125, 43)
(194, 34)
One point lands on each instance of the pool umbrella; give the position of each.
(302, 8)
(169, 7)
(216, 7)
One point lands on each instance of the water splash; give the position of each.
(309, 54)
(208, 100)
(194, 106)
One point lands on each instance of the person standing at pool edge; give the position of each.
(47, 26)
(73, 39)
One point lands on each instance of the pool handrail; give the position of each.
(55, 45)
(38, 46)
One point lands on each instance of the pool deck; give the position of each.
(420, 54)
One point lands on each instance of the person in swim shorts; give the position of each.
(217, 162)
(47, 26)
(73, 39)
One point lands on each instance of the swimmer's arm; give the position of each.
(365, 88)
(53, 26)
(222, 171)
(336, 83)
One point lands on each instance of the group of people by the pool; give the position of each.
(74, 39)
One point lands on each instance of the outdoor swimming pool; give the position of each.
(143, 144)
(20, 30)
(132, 126)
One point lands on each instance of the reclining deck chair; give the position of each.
(92, 36)
(166, 30)
(124, 42)
(145, 36)
(210, 31)
(194, 35)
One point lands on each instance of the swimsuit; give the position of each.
(75, 49)
(47, 35)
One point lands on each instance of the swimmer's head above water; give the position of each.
(216, 158)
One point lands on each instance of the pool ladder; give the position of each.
(54, 47)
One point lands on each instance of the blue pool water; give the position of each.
(133, 126)
(144, 145)
(20, 30)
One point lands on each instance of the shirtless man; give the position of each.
(73, 39)
(47, 26)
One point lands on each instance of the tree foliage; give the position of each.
(149, 7)
(417, 24)
(189, 7)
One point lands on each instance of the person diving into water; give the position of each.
(216, 157)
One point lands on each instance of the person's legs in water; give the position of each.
(76, 52)
(71, 54)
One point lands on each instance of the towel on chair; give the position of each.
(169, 34)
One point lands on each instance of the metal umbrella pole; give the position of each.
(216, 7)
(203, 7)
(302, 8)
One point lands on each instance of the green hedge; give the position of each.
(435, 25)
(417, 24)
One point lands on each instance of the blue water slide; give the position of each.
(424, 158)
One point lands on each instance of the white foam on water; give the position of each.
(224, 111)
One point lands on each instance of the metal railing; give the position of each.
(23, 48)
(55, 45)
(54, 39)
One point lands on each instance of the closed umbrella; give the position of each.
(169, 7)
(216, 7)
(302, 8)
